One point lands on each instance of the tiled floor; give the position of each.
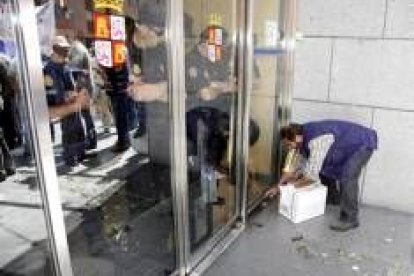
(271, 245)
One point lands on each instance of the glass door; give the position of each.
(27, 236)
(105, 80)
(211, 115)
(269, 73)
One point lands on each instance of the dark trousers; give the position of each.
(6, 159)
(349, 184)
(91, 139)
(73, 138)
(122, 106)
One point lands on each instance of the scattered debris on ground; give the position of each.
(297, 237)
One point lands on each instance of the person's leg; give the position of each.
(120, 105)
(2, 169)
(350, 190)
(91, 139)
(73, 139)
(333, 196)
(141, 113)
(7, 158)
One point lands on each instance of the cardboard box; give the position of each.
(300, 204)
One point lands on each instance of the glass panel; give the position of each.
(105, 77)
(24, 246)
(211, 87)
(264, 97)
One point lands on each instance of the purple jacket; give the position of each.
(349, 138)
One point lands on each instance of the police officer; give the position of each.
(65, 103)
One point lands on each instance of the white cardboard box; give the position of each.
(300, 204)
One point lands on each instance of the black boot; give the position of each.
(7, 165)
(3, 175)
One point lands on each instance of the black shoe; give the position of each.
(9, 165)
(343, 225)
(140, 131)
(121, 147)
(10, 171)
(71, 161)
(92, 140)
(3, 176)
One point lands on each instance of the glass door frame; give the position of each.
(31, 78)
(284, 82)
(175, 37)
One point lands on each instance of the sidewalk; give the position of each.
(271, 245)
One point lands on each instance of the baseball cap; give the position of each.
(60, 41)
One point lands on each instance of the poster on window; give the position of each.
(103, 53)
(118, 28)
(211, 52)
(101, 25)
(119, 53)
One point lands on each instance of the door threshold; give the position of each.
(216, 251)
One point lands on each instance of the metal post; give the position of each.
(32, 84)
(176, 70)
(285, 74)
(246, 75)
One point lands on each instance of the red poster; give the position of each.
(211, 35)
(218, 53)
(119, 53)
(102, 26)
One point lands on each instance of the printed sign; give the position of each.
(211, 36)
(115, 5)
(211, 53)
(103, 52)
(119, 53)
(101, 26)
(118, 28)
(218, 53)
(219, 37)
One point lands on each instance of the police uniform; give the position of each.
(58, 82)
(122, 105)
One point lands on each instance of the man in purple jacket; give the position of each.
(335, 150)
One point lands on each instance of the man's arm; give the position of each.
(215, 88)
(286, 178)
(318, 148)
(79, 102)
(149, 92)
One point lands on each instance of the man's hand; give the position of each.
(148, 92)
(82, 100)
(79, 102)
(303, 182)
(209, 93)
(272, 192)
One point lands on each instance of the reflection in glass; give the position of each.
(262, 164)
(211, 93)
(24, 243)
(105, 76)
